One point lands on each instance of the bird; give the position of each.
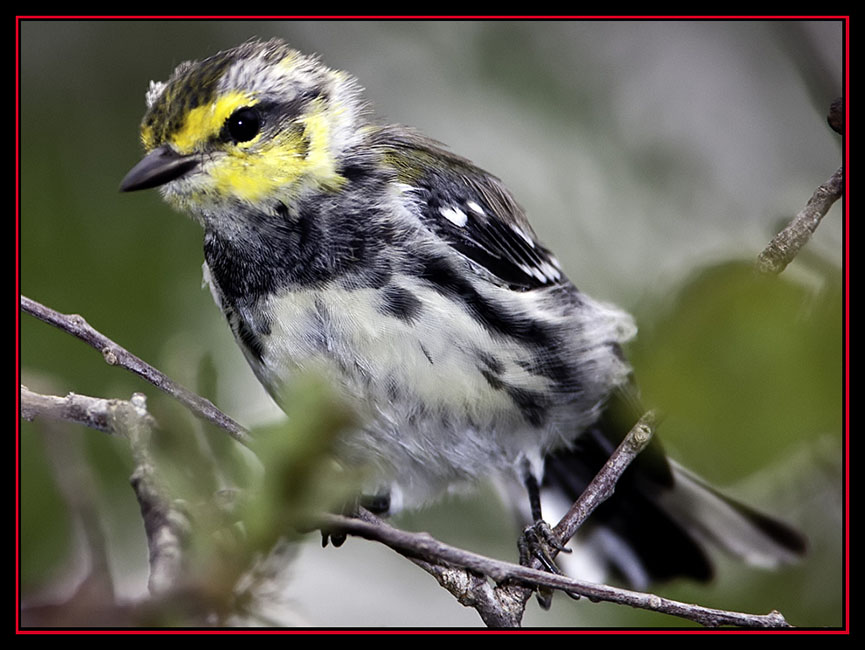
(411, 279)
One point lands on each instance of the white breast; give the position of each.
(432, 420)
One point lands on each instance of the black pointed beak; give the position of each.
(157, 168)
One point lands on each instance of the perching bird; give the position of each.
(412, 280)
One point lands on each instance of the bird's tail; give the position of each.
(661, 520)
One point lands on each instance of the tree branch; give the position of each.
(423, 547)
(604, 484)
(166, 527)
(502, 604)
(117, 355)
(786, 244)
(92, 412)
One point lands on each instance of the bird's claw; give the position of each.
(539, 542)
(334, 537)
(378, 504)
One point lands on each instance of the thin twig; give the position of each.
(604, 483)
(166, 527)
(117, 355)
(471, 589)
(92, 412)
(786, 244)
(425, 547)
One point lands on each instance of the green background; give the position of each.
(655, 158)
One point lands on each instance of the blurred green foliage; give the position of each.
(245, 506)
(746, 364)
(45, 525)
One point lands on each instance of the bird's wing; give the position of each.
(474, 213)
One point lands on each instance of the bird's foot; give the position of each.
(378, 504)
(539, 542)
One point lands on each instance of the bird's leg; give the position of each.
(377, 504)
(538, 540)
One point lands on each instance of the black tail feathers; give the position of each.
(661, 521)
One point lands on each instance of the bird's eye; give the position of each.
(243, 125)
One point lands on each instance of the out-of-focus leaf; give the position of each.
(744, 366)
(300, 478)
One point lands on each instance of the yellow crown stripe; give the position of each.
(204, 122)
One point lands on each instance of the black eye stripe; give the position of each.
(248, 121)
(296, 106)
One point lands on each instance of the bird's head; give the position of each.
(255, 124)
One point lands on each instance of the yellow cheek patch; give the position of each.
(317, 131)
(255, 175)
(204, 122)
(266, 169)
